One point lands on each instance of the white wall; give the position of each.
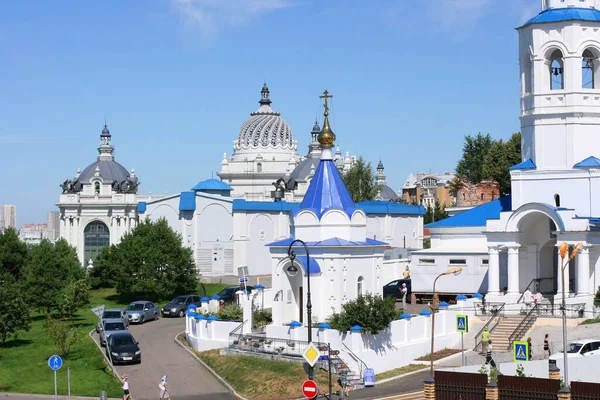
(204, 335)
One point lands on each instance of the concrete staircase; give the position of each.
(503, 330)
(339, 366)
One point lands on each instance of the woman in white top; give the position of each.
(164, 389)
(125, 387)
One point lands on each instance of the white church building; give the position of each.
(512, 243)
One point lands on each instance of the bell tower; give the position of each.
(559, 59)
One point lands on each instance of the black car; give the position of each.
(227, 295)
(178, 306)
(392, 289)
(122, 348)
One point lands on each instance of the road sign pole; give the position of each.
(55, 387)
(69, 382)
(462, 347)
(329, 361)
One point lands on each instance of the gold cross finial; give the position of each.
(326, 96)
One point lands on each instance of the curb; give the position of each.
(110, 364)
(209, 369)
(436, 362)
(401, 376)
(51, 396)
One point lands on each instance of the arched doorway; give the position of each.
(96, 236)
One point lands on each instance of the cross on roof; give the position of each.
(326, 96)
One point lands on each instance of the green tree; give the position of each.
(105, 270)
(63, 336)
(360, 181)
(597, 298)
(14, 312)
(372, 313)
(74, 297)
(470, 166)
(434, 214)
(501, 156)
(150, 261)
(51, 268)
(13, 255)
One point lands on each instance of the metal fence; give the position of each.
(517, 388)
(459, 385)
(585, 391)
(489, 309)
(548, 310)
(266, 345)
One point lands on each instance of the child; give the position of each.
(125, 387)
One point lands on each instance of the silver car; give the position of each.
(114, 313)
(110, 326)
(142, 311)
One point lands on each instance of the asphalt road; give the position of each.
(187, 379)
(409, 384)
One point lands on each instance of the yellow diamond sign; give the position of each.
(311, 354)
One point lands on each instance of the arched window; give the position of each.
(359, 286)
(589, 69)
(556, 65)
(526, 72)
(557, 200)
(96, 236)
(259, 167)
(482, 196)
(97, 187)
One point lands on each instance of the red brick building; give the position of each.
(471, 195)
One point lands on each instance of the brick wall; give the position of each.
(469, 194)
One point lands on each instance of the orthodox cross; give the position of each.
(326, 96)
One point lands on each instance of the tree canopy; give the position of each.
(13, 255)
(484, 158)
(372, 313)
(435, 213)
(360, 181)
(150, 261)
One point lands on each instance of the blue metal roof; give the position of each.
(527, 164)
(141, 207)
(476, 216)
(356, 328)
(405, 315)
(212, 184)
(243, 205)
(331, 242)
(315, 268)
(324, 325)
(187, 201)
(388, 207)
(327, 191)
(565, 14)
(425, 312)
(590, 162)
(294, 324)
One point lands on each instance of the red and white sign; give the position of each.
(309, 389)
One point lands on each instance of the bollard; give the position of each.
(564, 393)
(103, 395)
(553, 372)
(429, 388)
(491, 391)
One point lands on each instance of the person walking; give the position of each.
(125, 387)
(164, 389)
(343, 381)
(404, 291)
(485, 336)
(530, 349)
(547, 352)
(538, 300)
(488, 354)
(527, 299)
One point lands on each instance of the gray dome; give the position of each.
(387, 193)
(301, 172)
(110, 171)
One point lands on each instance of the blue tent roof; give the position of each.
(565, 14)
(327, 191)
(294, 324)
(590, 162)
(212, 184)
(527, 164)
(388, 207)
(476, 216)
(405, 316)
(324, 325)
(141, 207)
(187, 201)
(425, 312)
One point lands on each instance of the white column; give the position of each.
(583, 271)
(559, 265)
(493, 270)
(513, 269)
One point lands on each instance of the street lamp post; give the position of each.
(564, 248)
(454, 271)
(292, 271)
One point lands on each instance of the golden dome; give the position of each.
(326, 138)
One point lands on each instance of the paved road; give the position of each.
(409, 384)
(162, 356)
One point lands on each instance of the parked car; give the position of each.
(110, 326)
(227, 295)
(142, 311)
(177, 306)
(112, 313)
(579, 348)
(392, 289)
(121, 347)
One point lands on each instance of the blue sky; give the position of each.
(175, 79)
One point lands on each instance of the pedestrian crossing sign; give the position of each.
(462, 323)
(520, 351)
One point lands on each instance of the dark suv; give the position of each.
(227, 295)
(178, 306)
(392, 289)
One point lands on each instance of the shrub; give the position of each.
(597, 298)
(231, 312)
(372, 313)
(62, 335)
(262, 318)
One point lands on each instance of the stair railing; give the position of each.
(537, 282)
(490, 325)
(361, 364)
(524, 326)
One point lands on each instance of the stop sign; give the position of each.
(309, 389)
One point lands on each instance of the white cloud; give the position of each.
(211, 16)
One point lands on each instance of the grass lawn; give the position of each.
(262, 379)
(400, 371)
(438, 355)
(591, 321)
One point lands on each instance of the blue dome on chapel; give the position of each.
(565, 14)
